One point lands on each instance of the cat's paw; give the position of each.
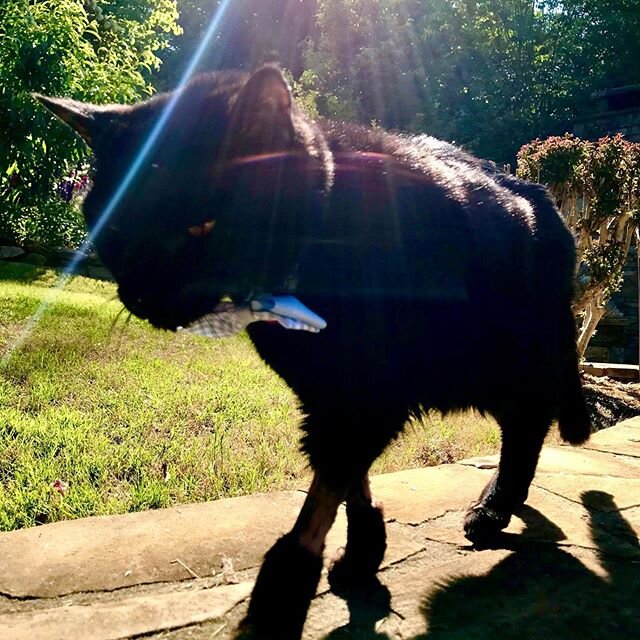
(482, 523)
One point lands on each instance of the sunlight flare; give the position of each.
(115, 200)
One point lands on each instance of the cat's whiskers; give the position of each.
(116, 319)
(119, 329)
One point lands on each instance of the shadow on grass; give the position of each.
(20, 273)
(542, 592)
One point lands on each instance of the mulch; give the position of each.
(610, 401)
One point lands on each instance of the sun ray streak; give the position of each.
(71, 268)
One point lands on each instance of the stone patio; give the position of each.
(568, 567)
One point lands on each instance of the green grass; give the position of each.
(101, 418)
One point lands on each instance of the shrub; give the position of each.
(96, 50)
(596, 186)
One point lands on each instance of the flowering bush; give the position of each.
(596, 186)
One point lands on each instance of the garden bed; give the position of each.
(610, 401)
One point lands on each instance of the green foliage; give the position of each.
(48, 220)
(605, 263)
(597, 188)
(555, 161)
(596, 39)
(610, 179)
(252, 32)
(95, 50)
(364, 61)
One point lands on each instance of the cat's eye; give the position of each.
(201, 230)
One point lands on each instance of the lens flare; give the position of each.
(143, 153)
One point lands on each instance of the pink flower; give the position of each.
(60, 486)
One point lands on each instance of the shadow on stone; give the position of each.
(541, 592)
(367, 605)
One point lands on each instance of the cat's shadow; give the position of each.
(542, 592)
(366, 607)
(539, 592)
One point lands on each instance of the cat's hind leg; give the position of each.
(523, 434)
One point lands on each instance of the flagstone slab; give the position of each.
(623, 439)
(414, 583)
(408, 585)
(573, 460)
(106, 553)
(631, 518)
(111, 552)
(418, 495)
(629, 422)
(536, 592)
(364, 615)
(605, 493)
(126, 618)
(550, 518)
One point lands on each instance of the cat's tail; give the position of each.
(573, 417)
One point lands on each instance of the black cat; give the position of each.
(445, 285)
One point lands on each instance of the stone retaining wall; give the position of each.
(616, 339)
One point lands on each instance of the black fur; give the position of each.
(283, 591)
(357, 564)
(445, 283)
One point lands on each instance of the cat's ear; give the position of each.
(261, 116)
(80, 116)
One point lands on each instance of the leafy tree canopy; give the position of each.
(488, 74)
(252, 32)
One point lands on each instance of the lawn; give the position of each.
(101, 415)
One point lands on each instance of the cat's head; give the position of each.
(205, 196)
